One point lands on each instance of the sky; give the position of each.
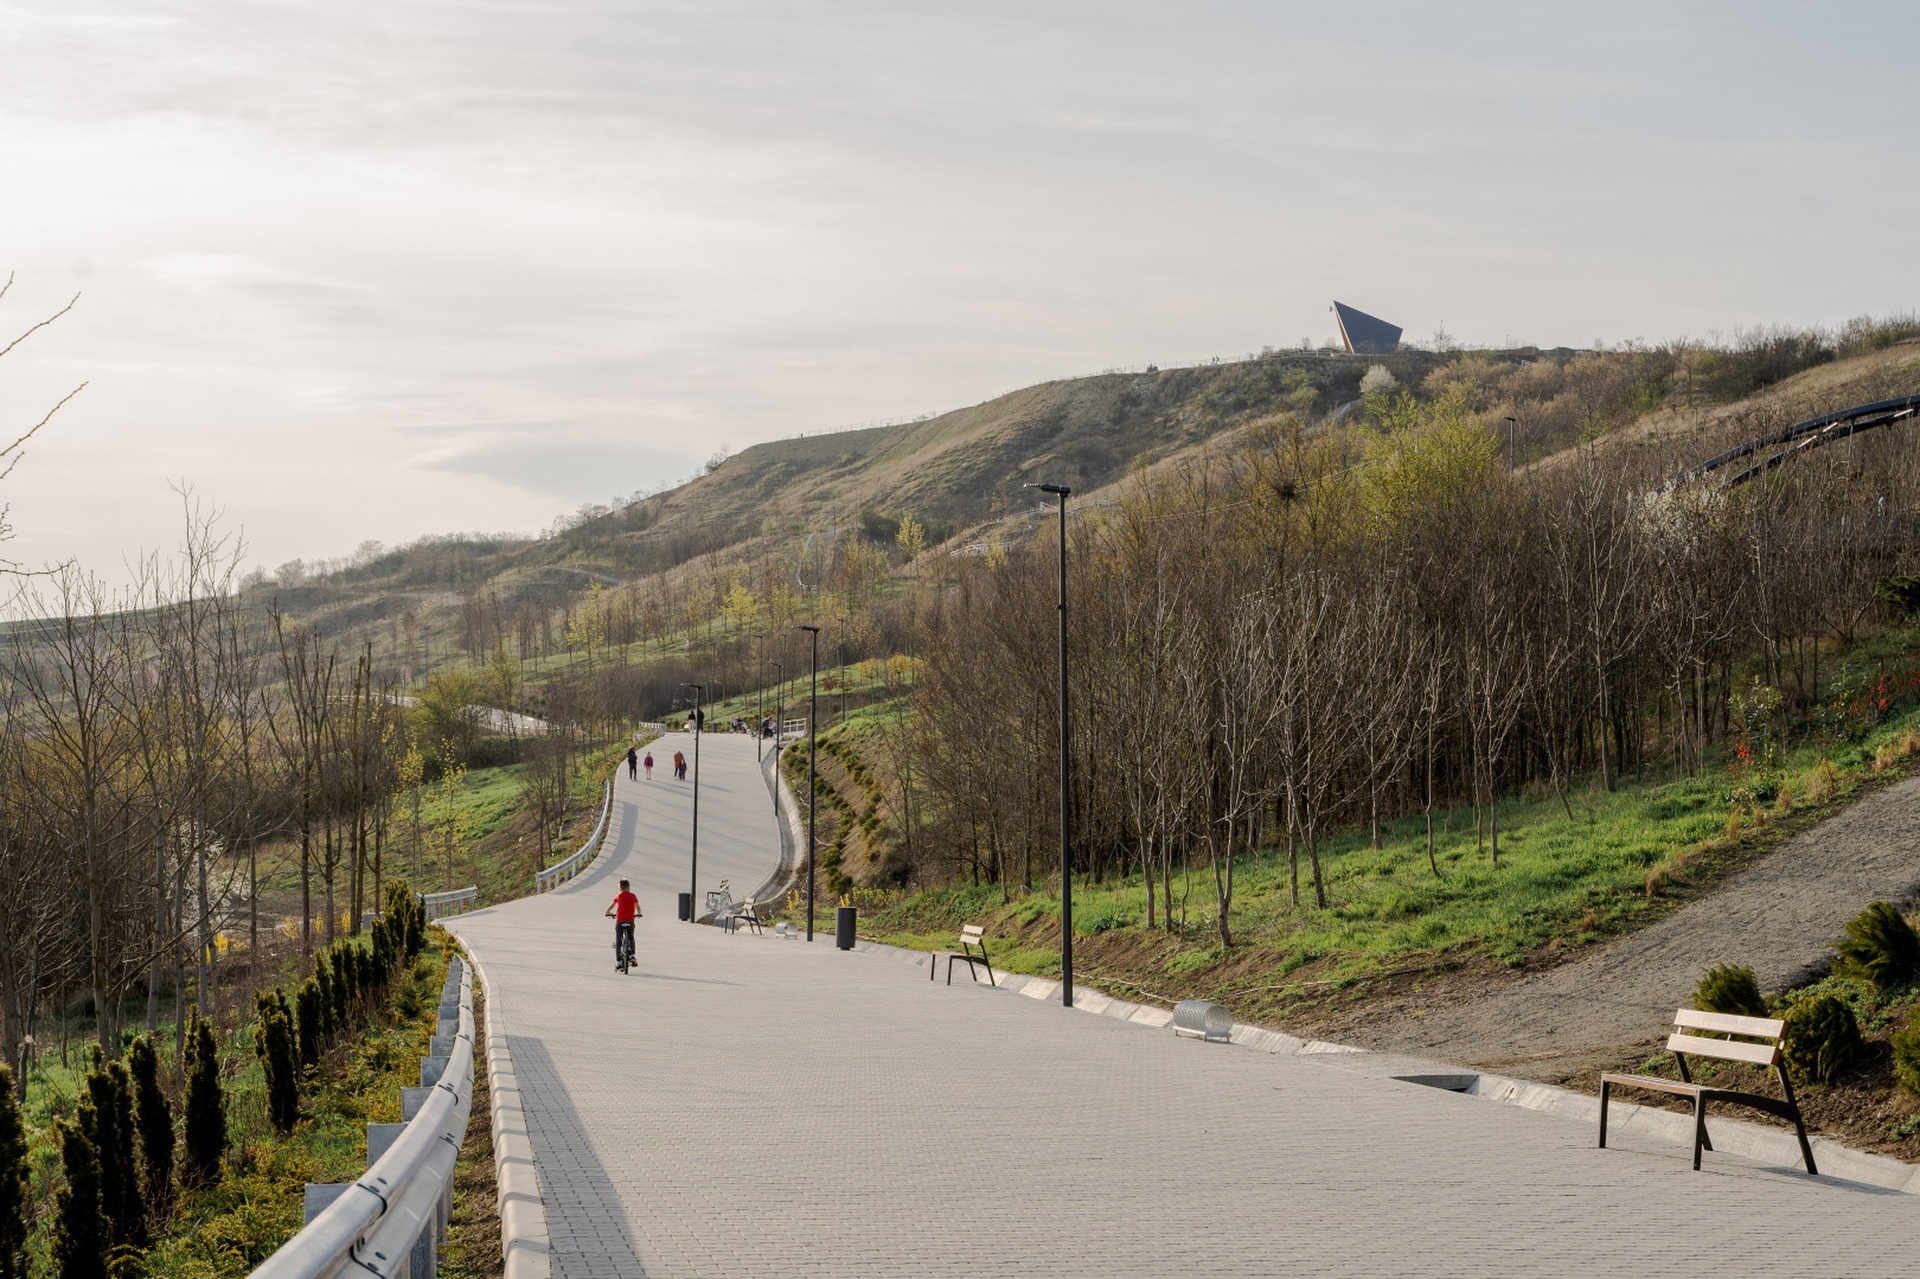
(375, 269)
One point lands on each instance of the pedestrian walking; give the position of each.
(647, 764)
(633, 764)
(679, 766)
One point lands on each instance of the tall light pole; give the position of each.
(776, 736)
(813, 753)
(693, 862)
(1509, 444)
(760, 696)
(1061, 491)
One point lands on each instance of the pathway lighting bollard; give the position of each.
(1198, 1019)
(843, 922)
(686, 907)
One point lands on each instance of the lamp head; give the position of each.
(1061, 489)
(804, 627)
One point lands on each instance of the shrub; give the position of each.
(1881, 946)
(273, 1042)
(13, 1181)
(312, 1005)
(1906, 1055)
(1730, 988)
(206, 1122)
(153, 1117)
(108, 1126)
(79, 1225)
(1823, 1040)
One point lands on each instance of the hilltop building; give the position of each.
(1366, 334)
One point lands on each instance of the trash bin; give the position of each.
(686, 906)
(843, 927)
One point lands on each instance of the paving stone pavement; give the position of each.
(746, 1105)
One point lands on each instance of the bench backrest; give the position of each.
(973, 933)
(1766, 1029)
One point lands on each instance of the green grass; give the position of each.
(1559, 881)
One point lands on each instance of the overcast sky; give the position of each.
(368, 269)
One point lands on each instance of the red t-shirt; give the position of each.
(623, 907)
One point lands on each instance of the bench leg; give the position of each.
(1799, 1127)
(1699, 1128)
(1605, 1089)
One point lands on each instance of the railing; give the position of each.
(793, 728)
(391, 1221)
(452, 902)
(545, 881)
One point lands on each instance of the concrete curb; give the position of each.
(525, 1243)
(1769, 1146)
(793, 833)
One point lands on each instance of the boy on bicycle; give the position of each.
(624, 910)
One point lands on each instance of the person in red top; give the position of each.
(624, 910)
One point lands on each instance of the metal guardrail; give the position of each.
(545, 881)
(391, 1221)
(452, 902)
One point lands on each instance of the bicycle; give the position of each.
(623, 945)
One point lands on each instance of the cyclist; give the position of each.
(624, 910)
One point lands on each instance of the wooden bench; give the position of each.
(972, 953)
(745, 913)
(1765, 1052)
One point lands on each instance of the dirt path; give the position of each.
(1781, 916)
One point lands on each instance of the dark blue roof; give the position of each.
(1366, 334)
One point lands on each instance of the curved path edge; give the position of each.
(525, 1244)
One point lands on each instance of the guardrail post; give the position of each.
(321, 1194)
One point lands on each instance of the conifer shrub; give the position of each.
(80, 1234)
(1822, 1039)
(1881, 946)
(13, 1181)
(312, 1017)
(153, 1117)
(333, 995)
(205, 1135)
(1730, 988)
(273, 1043)
(108, 1125)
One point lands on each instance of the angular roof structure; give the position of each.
(1366, 334)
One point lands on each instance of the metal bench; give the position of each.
(720, 900)
(1764, 1053)
(972, 953)
(745, 913)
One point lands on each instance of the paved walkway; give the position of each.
(757, 1106)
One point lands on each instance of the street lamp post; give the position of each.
(760, 696)
(693, 862)
(1509, 444)
(1061, 491)
(813, 753)
(781, 667)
